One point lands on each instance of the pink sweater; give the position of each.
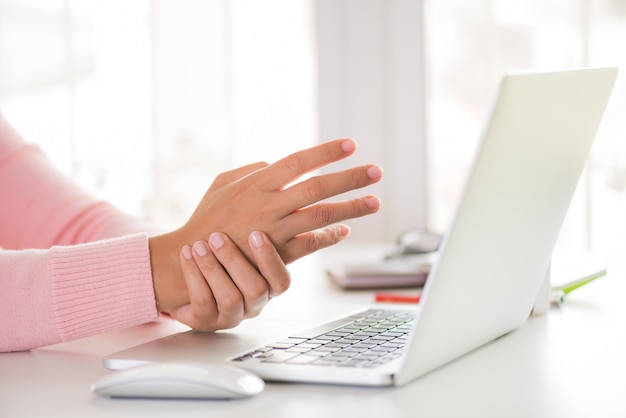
(70, 266)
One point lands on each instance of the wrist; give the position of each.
(170, 290)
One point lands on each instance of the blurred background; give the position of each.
(144, 102)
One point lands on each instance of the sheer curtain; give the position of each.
(469, 46)
(234, 83)
(144, 101)
(75, 78)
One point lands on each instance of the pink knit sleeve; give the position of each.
(69, 292)
(70, 265)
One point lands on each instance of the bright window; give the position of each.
(144, 102)
(75, 78)
(469, 46)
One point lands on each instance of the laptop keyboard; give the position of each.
(367, 339)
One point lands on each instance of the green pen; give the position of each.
(558, 293)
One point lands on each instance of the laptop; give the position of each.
(491, 263)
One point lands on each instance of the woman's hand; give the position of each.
(256, 198)
(224, 288)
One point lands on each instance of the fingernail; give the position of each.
(187, 252)
(216, 240)
(374, 172)
(200, 248)
(372, 202)
(348, 145)
(257, 239)
(344, 231)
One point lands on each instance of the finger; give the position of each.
(278, 175)
(201, 312)
(324, 214)
(321, 187)
(236, 174)
(312, 241)
(228, 298)
(269, 263)
(249, 282)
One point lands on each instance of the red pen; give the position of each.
(396, 297)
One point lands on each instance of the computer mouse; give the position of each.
(180, 381)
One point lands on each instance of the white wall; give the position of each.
(371, 89)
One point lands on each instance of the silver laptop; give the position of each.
(491, 264)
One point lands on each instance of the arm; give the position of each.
(70, 291)
(53, 287)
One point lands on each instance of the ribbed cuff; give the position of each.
(101, 286)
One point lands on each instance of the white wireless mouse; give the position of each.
(180, 381)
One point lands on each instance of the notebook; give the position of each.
(492, 260)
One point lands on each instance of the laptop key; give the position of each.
(302, 360)
(322, 329)
(280, 357)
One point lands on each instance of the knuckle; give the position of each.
(204, 300)
(313, 188)
(257, 292)
(293, 164)
(199, 322)
(322, 214)
(282, 285)
(357, 207)
(314, 242)
(230, 301)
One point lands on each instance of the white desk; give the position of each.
(569, 363)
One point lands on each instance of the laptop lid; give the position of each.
(498, 247)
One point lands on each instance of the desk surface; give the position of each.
(568, 363)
